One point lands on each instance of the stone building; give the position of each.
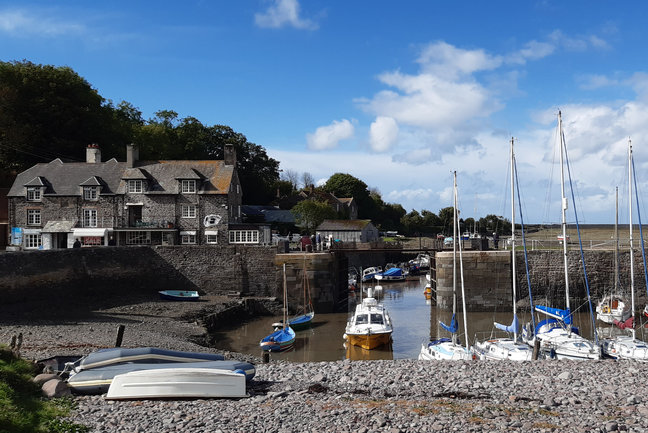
(348, 230)
(52, 205)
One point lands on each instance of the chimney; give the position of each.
(93, 154)
(229, 154)
(132, 155)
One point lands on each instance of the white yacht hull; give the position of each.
(445, 351)
(559, 344)
(502, 349)
(625, 347)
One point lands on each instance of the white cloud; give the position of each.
(443, 59)
(23, 23)
(383, 133)
(329, 136)
(283, 13)
(533, 50)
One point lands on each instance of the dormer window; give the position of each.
(135, 186)
(90, 192)
(33, 193)
(188, 186)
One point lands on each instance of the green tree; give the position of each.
(446, 215)
(48, 112)
(310, 213)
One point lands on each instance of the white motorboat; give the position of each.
(370, 326)
(613, 308)
(177, 383)
(370, 273)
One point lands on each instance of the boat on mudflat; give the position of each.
(142, 355)
(179, 295)
(370, 326)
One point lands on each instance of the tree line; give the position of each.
(49, 112)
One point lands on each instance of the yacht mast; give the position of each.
(631, 243)
(564, 209)
(515, 334)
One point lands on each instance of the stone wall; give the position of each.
(136, 271)
(487, 277)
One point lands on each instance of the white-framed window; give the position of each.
(33, 217)
(211, 237)
(189, 211)
(188, 186)
(244, 237)
(188, 239)
(90, 192)
(33, 241)
(138, 238)
(135, 186)
(33, 193)
(89, 217)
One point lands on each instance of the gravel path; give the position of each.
(343, 396)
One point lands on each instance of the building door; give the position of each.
(61, 241)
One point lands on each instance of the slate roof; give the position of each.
(64, 179)
(343, 225)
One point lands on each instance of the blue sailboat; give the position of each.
(283, 337)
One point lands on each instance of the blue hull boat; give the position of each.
(279, 341)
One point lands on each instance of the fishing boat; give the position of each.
(283, 337)
(142, 355)
(179, 295)
(507, 348)
(177, 383)
(97, 380)
(628, 346)
(370, 326)
(557, 336)
(613, 306)
(446, 348)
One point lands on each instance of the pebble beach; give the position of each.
(344, 396)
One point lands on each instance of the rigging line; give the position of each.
(643, 249)
(580, 242)
(547, 204)
(526, 260)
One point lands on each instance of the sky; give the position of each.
(397, 94)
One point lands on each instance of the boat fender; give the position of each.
(552, 353)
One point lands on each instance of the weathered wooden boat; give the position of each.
(97, 380)
(177, 383)
(179, 295)
(143, 355)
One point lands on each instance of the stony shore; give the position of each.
(343, 396)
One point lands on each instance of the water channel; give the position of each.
(414, 319)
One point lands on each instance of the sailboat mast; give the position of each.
(616, 241)
(461, 272)
(285, 300)
(564, 206)
(632, 296)
(454, 254)
(513, 270)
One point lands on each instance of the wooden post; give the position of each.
(120, 335)
(536, 349)
(266, 357)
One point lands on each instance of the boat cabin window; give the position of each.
(377, 318)
(362, 319)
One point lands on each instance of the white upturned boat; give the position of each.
(177, 383)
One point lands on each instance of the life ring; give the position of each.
(211, 220)
(606, 309)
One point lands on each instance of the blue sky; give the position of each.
(398, 94)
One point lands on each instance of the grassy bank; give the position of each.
(22, 407)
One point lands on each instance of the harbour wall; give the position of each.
(488, 281)
(113, 275)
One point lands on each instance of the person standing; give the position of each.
(318, 240)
